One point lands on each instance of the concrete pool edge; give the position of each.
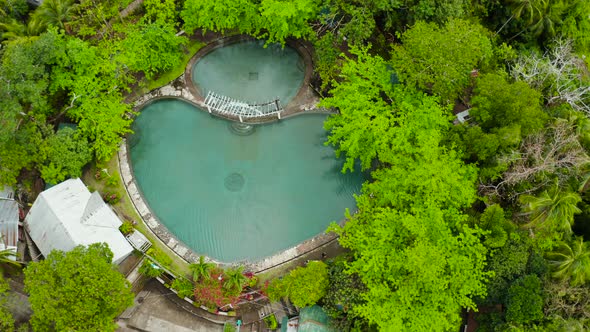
(183, 251)
(305, 101)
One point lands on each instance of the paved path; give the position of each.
(155, 313)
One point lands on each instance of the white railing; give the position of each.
(228, 106)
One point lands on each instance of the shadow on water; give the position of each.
(134, 138)
(347, 183)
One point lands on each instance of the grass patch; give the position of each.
(111, 182)
(169, 76)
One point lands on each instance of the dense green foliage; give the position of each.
(67, 153)
(525, 303)
(79, 290)
(273, 20)
(304, 286)
(420, 263)
(490, 212)
(440, 59)
(6, 319)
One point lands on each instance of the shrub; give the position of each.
(184, 287)
(126, 227)
(159, 257)
(113, 180)
(271, 322)
(111, 197)
(229, 327)
(150, 269)
(253, 281)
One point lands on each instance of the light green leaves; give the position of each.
(80, 290)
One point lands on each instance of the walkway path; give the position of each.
(154, 312)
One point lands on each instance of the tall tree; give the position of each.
(440, 59)
(55, 13)
(370, 109)
(525, 300)
(274, 20)
(67, 152)
(551, 210)
(80, 290)
(153, 47)
(420, 262)
(571, 261)
(498, 103)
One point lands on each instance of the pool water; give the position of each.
(249, 72)
(236, 196)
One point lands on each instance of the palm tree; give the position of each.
(55, 13)
(553, 209)
(235, 279)
(201, 269)
(530, 10)
(6, 259)
(571, 261)
(14, 29)
(540, 16)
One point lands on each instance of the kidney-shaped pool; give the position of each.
(233, 192)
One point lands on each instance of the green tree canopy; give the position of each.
(571, 261)
(498, 103)
(525, 300)
(67, 152)
(80, 290)
(153, 47)
(412, 249)
(273, 20)
(551, 210)
(305, 286)
(440, 59)
(371, 110)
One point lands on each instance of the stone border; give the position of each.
(182, 88)
(297, 104)
(185, 252)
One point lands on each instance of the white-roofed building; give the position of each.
(67, 215)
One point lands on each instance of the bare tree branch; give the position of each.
(559, 73)
(554, 153)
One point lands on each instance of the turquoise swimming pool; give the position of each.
(233, 194)
(250, 72)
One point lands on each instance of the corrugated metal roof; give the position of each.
(6, 192)
(67, 215)
(9, 221)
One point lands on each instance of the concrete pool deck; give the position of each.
(182, 88)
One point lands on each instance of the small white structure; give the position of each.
(463, 117)
(8, 221)
(67, 215)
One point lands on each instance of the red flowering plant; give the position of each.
(210, 291)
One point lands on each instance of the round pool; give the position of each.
(250, 72)
(233, 192)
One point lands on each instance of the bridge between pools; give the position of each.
(243, 110)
